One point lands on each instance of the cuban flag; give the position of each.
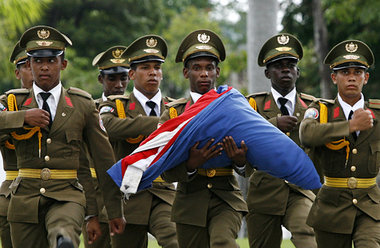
(217, 114)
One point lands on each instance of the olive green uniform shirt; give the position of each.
(335, 209)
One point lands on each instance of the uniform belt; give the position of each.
(215, 172)
(93, 172)
(351, 182)
(11, 175)
(46, 173)
(159, 180)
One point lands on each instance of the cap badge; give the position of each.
(203, 38)
(351, 47)
(44, 43)
(43, 34)
(351, 56)
(151, 50)
(283, 49)
(117, 53)
(283, 39)
(151, 42)
(203, 47)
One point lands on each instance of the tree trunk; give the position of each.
(321, 48)
(262, 24)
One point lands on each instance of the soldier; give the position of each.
(273, 202)
(24, 74)
(346, 135)
(113, 75)
(128, 120)
(48, 125)
(209, 206)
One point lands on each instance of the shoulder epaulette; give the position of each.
(18, 91)
(264, 93)
(374, 103)
(308, 97)
(79, 92)
(114, 97)
(330, 101)
(169, 99)
(177, 102)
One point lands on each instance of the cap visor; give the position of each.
(42, 53)
(115, 70)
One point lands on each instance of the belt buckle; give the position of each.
(45, 174)
(352, 183)
(210, 172)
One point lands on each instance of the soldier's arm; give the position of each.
(313, 133)
(85, 178)
(120, 129)
(103, 157)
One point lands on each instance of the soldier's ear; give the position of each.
(266, 73)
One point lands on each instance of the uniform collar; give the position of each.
(291, 97)
(347, 107)
(55, 92)
(143, 99)
(195, 96)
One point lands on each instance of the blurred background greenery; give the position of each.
(95, 25)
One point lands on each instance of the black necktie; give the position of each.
(283, 109)
(45, 105)
(151, 105)
(350, 117)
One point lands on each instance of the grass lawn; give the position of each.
(242, 242)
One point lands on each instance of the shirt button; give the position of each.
(48, 140)
(353, 168)
(354, 201)
(47, 158)
(278, 115)
(209, 185)
(42, 190)
(354, 151)
(298, 114)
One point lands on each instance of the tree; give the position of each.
(15, 17)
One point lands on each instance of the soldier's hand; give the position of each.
(233, 152)
(37, 117)
(286, 123)
(117, 226)
(93, 229)
(198, 157)
(361, 120)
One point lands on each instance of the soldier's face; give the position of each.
(283, 74)
(114, 84)
(147, 77)
(47, 71)
(350, 82)
(24, 74)
(202, 73)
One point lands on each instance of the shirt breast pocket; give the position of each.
(374, 158)
(73, 140)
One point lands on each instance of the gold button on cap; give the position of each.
(354, 151)
(354, 201)
(47, 158)
(42, 190)
(353, 168)
(209, 185)
(48, 140)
